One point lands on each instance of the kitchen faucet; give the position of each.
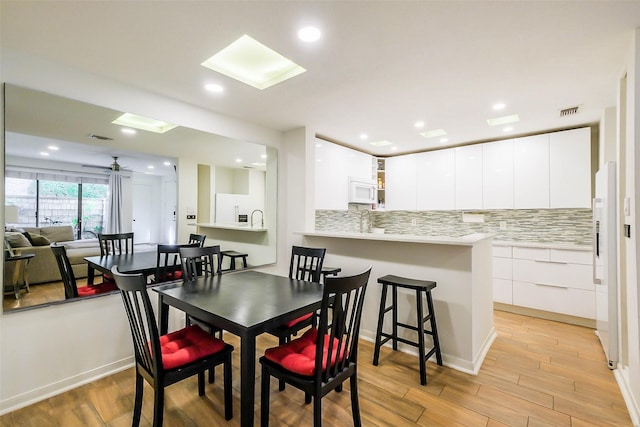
(261, 218)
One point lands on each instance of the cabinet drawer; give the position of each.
(570, 256)
(502, 268)
(574, 302)
(541, 254)
(551, 273)
(502, 251)
(502, 291)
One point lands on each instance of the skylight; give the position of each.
(433, 132)
(143, 123)
(380, 143)
(253, 63)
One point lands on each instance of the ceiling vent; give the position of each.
(569, 111)
(100, 137)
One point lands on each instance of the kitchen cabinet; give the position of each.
(334, 165)
(468, 177)
(400, 183)
(435, 180)
(570, 168)
(497, 175)
(531, 172)
(502, 274)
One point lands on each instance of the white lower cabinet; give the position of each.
(554, 280)
(502, 274)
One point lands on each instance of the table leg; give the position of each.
(91, 272)
(247, 378)
(163, 318)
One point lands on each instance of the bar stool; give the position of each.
(232, 258)
(419, 286)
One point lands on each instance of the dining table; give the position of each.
(132, 263)
(245, 303)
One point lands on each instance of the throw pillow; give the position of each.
(28, 236)
(17, 240)
(38, 240)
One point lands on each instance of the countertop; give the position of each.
(468, 240)
(547, 245)
(237, 227)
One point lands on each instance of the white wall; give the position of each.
(43, 351)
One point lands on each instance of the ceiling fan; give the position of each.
(115, 166)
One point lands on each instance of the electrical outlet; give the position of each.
(191, 217)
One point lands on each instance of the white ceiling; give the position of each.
(380, 66)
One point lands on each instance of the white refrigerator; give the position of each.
(605, 275)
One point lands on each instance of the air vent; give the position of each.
(100, 137)
(568, 111)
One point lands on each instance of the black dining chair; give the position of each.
(200, 261)
(71, 288)
(197, 238)
(167, 359)
(323, 357)
(115, 243)
(168, 264)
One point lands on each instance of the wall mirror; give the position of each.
(59, 153)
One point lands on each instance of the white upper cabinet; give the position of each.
(436, 185)
(400, 183)
(468, 180)
(570, 168)
(497, 175)
(531, 172)
(334, 165)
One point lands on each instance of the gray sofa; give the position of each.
(43, 267)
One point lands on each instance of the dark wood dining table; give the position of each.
(245, 303)
(137, 262)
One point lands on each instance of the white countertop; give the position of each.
(237, 227)
(560, 245)
(468, 240)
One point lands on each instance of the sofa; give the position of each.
(43, 267)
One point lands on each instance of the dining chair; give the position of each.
(115, 243)
(197, 238)
(71, 289)
(167, 359)
(323, 357)
(168, 264)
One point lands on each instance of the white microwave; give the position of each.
(362, 190)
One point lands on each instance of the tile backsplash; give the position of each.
(531, 225)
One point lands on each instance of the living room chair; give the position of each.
(115, 243)
(167, 359)
(197, 238)
(168, 265)
(71, 289)
(323, 357)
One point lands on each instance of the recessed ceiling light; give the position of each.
(253, 63)
(143, 123)
(258, 164)
(444, 140)
(128, 131)
(364, 136)
(503, 120)
(394, 148)
(507, 129)
(309, 34)
(167, 163)
(53, 148)
(44, 153)
(214, 87)
(263, 156)
(499, 106)
(419, 124)
(433, 132)
(380, 143)
(151, 167)
(238, 160)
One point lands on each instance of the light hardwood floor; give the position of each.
(537, 373)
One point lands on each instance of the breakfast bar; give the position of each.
(461, 266)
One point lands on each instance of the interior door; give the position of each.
(142, 213)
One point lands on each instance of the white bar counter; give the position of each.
(463, 297)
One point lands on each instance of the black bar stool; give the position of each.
(232, 258)
(419, 286)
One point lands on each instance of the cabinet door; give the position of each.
(400, 174)
(469, 177)
(436, 185)
(570, 168)
(497, 175)
(531, 172)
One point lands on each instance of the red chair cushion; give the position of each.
(171, 275)
(100, 288)
(298, 320)
(107, 278)
(299, 355)
(187, 345)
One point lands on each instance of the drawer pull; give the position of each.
(550, 262)
(546, 285)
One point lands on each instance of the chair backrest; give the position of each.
(168, 261)
(142, 321)
(66, 272)
(339, 325)
(116, 244)
(198, 261)
(306, 263)
(197, 238)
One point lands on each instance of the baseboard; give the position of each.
(53, 389)
(621, 375)
(548, 315)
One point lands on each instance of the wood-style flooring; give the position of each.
(537, 373)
